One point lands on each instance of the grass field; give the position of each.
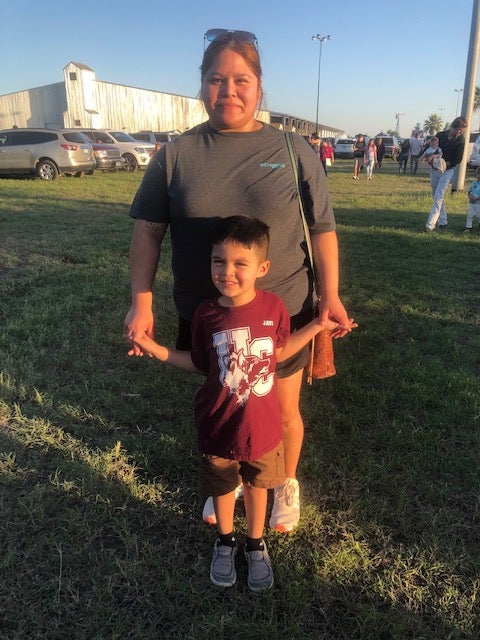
(100, 531)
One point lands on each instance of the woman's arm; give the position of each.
(325, 258)
(144, 256)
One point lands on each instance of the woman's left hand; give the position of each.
(331, 308)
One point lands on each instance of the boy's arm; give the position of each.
(179, 359)
(300, 338)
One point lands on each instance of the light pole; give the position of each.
(458, 92)
(321, 40)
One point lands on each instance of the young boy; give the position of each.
(237, 340)
(474, 202)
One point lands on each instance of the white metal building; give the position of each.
(83, 101)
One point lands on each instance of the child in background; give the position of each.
(474, 202)
(370, 157)
(237, 340)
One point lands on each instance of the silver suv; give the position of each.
(136, 154)
(46, 153)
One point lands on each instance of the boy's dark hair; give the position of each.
(246, 231)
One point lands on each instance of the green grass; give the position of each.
(100, 530)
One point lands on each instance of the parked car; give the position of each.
(136, 155)
(392, 146)
(158, 138)
(344, 148)
(46, 153)
(107, 157)
(473, 150)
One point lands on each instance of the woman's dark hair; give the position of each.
(459, 123)
(247, 51)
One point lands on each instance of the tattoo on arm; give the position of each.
(156, 228)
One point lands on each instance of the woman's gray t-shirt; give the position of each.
(205, 175)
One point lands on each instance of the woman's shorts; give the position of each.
(218, 476)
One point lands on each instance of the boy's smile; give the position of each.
(234, 269)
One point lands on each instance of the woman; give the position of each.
(452, 144)
(358, 152)
(380, 151)
(370, 158)
(327, 157)
(403, 156)
(235, 164)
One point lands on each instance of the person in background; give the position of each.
(403, 156)
(452, 144)
(358, 154)
(370, 158)
(234, 162)
(237, 416)
(327, 156)
(380, 151)
(416, 148)
(474, 202)
(315, 143)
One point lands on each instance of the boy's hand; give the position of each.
(144, 343)
(331, 309)
(326, 325)
(331, 325)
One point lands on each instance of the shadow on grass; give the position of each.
(83, 556)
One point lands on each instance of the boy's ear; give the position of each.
(263, 268)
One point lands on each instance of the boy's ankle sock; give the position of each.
(227, 539)
(254, 544)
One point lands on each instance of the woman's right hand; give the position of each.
(138, 322)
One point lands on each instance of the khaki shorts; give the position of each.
(218, 476)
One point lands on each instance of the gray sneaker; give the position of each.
(260, 573)
(222, 568)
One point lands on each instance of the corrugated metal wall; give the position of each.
(83, 101)
(41, 107)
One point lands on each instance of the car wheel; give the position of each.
(47, 170)
(131, 163)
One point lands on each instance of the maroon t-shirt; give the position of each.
(237, 415)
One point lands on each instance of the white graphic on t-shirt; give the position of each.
(244, 363)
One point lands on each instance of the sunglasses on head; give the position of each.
(215, 35)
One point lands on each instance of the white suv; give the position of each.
(473, 150)
(158, 138)
(136, 154)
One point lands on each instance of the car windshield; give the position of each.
(120, 136)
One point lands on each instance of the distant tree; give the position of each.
(432, 124)
(476, 99)
(392, 132)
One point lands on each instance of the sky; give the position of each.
(383, 58)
